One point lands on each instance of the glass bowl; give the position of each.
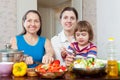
(82, 71)
(6, 68)
(93, 70)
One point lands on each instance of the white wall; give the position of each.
(57, 10)
(47, 15)
(7, 21)
(22, 7)
(108, 24)
(78, 5)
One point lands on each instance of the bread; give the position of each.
(31, 72)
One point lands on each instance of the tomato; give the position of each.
(93, 63)
(52, 67)
(63, 68)
(42, 70)
(56, 62)
(56, 69)
(55, 65)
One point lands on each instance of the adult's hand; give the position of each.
(47, 58)
(29, 60)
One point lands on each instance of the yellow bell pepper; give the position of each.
(19, 69)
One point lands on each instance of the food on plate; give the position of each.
(31, 72)
(52, 67)
(51, 70)
(19, 69)
(89, 66)
(89, 63)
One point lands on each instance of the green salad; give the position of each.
(89, 63)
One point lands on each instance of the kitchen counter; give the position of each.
(66, 76)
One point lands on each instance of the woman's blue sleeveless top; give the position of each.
(37, 51)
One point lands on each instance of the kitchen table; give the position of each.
(66, 76)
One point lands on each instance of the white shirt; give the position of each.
(58, 42)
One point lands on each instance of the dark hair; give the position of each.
(69, 9)
(24, 18)
(84, 26)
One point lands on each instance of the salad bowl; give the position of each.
(50, 75)
(51, 71)
(89, 67)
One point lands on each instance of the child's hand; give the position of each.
(69, 59)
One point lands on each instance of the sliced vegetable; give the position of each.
(53, 67)
(55, 63)
(89, 63)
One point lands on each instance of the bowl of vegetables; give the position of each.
(89, 66)
(52, 70)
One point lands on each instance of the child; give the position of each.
(83, 47)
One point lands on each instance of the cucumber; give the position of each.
(90, 60)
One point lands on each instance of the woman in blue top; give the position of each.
(39, 49)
